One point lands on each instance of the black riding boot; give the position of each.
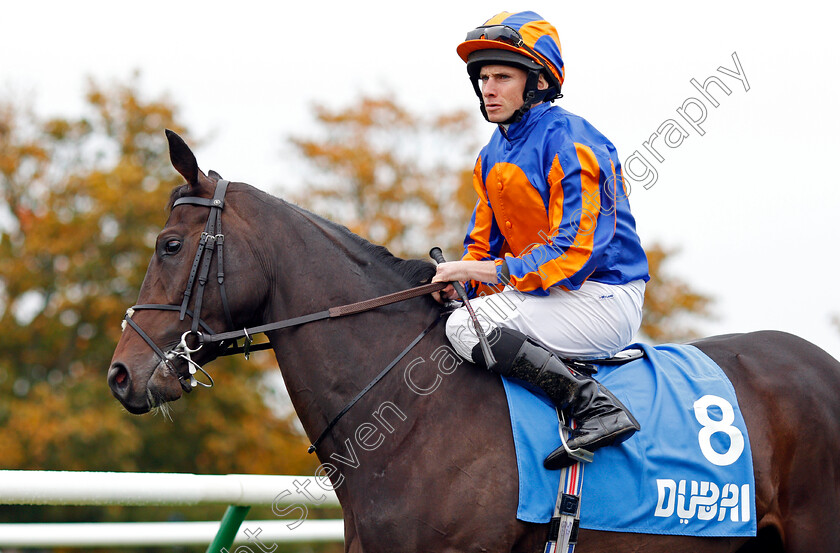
(602, 419)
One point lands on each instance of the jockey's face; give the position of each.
(502, 87)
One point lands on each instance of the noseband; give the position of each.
(212, 240)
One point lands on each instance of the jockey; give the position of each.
(551, 255)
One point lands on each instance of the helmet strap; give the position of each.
(530, 96)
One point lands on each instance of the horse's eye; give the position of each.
(172, 247)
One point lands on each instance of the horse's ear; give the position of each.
(182, 158)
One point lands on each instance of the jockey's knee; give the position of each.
(461, 332)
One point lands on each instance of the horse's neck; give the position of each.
(325, 363)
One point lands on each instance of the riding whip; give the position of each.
(436, 254)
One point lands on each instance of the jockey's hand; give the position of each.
(462, 271)
(446, 294)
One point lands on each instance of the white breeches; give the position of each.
(595, 321)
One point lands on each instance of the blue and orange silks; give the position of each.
(552, 207)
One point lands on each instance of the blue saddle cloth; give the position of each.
(688, 471)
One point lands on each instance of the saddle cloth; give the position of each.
(688, 471)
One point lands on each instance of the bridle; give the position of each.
(212, 240)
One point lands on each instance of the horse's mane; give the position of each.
(414, 271)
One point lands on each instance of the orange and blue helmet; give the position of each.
(524, 40)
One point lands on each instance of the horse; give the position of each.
(425, 460)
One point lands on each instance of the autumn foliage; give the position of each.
(672, 306)
(395, 177)
(82, 202)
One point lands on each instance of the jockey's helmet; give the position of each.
(523, 40)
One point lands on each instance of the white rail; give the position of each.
(151, 534)
(131, 488)
(35, 487)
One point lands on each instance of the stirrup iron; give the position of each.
(578, 454)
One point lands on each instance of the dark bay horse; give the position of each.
(425, 461)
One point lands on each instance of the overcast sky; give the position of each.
(748, 194)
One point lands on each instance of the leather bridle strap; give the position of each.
(374, 303)
(211, 239)
(380, 376)
(331, 313)
(164, 307)
(149, 341)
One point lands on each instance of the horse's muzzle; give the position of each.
(165, 384)
(119, 380)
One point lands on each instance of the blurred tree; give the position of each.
(394, 177)
(670, 303)
(405, 181)
(81, 202)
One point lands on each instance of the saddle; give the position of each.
(588, 366)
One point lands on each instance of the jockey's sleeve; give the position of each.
(484, 240)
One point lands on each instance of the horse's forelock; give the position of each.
(177, 193)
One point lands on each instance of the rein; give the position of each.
(331, 313)
(212, 239)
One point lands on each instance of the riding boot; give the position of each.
(601, 417)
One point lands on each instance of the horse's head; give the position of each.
(200, 281)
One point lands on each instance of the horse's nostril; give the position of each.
(118, 379)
